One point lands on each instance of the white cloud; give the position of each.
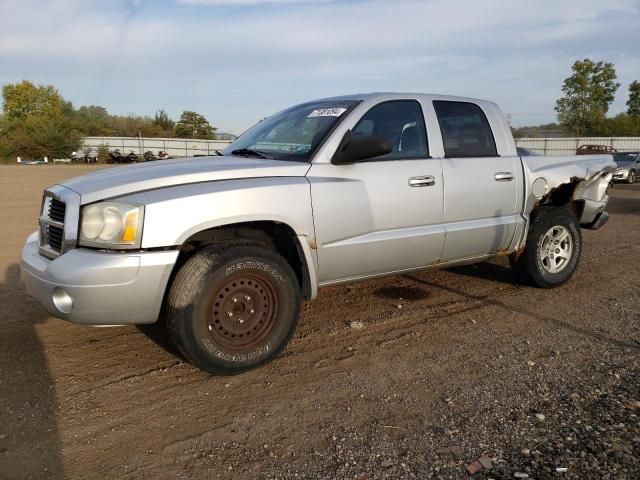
(237, 3)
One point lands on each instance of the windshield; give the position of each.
(293, 134)
(625, 157)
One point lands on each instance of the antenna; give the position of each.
(193, 91)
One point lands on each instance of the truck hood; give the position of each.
(118, 181)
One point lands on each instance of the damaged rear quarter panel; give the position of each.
(591, 175)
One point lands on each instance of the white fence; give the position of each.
(568, 146)
(184, 147)
(176, 147)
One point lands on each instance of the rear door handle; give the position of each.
(426, 181)
(503, 176)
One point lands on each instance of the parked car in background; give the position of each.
(628, 166)
(526, 152)
(65, 161)
(44, 161)
(595, 150)
(116, 156)
(85, 155)
(328, 192)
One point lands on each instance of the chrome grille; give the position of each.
(57, 210)
(58, 221)
(54, 237)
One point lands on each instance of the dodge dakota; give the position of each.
(223, 249)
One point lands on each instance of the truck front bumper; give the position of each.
(98, 288)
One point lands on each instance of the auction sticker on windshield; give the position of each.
(327, 112)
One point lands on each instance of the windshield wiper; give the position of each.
(248, 152)
(218, 153)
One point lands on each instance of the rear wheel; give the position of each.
(233, 307)
(553, 248)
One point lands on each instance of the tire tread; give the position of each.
(524, 266)
(186, 287)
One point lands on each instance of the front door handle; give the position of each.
(426, 181)
(503, 176)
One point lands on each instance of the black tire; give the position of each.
(238, 278)
(530, 267)
(632, 177)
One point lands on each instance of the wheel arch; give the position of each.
(278, 236)
(561, 196)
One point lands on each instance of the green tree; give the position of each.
(622, 125)
(103, 153)
(37, 122)
(93, 120)
(162, 120)
(194, 125)
(588, 92)
(25, 99)
(633, 104)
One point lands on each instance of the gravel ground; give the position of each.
(460, 373)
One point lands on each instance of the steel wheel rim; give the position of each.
(555, 249)
(242, 311)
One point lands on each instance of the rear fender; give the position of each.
(592, 193)
(563, 185)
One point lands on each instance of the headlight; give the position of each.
(111, 225)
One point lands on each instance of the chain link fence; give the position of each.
(176, 147)
(184, 147)
(568, 146)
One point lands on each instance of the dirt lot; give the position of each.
(449, 366)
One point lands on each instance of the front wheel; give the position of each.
(233, 307)
(632, 177)
(553, 248)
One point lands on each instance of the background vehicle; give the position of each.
(226, 247)
(628, 166)
(595, 150)
(162, 155)
(44, 161)
(86, 155)
(117, 157)
(66, 161)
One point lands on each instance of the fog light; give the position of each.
(62, 300)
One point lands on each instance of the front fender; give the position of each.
(174, 214)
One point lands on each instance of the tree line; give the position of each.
(587, 95)
(36, 121)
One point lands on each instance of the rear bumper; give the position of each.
(593, 195)
(98, 288)
(592, 211)
(600, 220)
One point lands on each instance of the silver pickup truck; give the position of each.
(222, 249)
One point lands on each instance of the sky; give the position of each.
(237, 61)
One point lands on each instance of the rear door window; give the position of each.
(465, 130)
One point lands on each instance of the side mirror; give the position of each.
(356, 149)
